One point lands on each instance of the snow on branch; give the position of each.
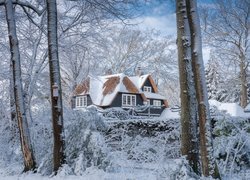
(25, 4)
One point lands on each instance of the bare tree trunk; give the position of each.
(189, 141)
(29, 160)
(13, 113)
(206, 147)
(243, 80)
(12, 97)
(55, 85)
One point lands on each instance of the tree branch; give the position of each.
(30, 6)
(25, 4)
(40, 26)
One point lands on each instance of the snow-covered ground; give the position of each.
(169, 170)
(146, 153)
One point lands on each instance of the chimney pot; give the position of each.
(138, 71)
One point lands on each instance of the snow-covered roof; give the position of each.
(103, 89)
(139, 80)
(150, 95)
(231, 108)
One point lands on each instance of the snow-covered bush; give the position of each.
(145, 141)
(10, 150)
(41, 137)
(85, 144)
(232, 143)
(116, 113)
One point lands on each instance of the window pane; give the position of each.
(80, 102)
(85, 101)
(77, 101)
(147, 89)
(124, 102)
(157, 103)
(133, 101)
(129, 100)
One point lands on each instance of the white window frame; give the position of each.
(81, 101)
(147, 89)
(157, 103)
(128, 100)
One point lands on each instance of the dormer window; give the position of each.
(81, 101)
(147, 89)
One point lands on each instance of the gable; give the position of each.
(148, 81)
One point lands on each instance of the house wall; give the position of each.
(89, 100)
(117, 102)
(147, 83)
(139, 101)
(154, 111)
(73, 102)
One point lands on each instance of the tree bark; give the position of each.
(55, 86)
(29, 160)
(189, 141)
(243, 80)
(13, 113)
(206, 147)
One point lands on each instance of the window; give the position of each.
(81, 101)
(128, 100)
(147, 89)
(157, 103)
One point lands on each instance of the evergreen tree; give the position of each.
(212, 79)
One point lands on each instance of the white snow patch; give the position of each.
(247, 108)
(169, 114)
(231, 108)
(150, 95)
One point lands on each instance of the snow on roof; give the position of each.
(231, 108)
(103, 89)
(82, 88)
(139, 80)
(154, 96)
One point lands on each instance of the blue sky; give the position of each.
(160, 15)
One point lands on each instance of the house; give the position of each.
(119, 90)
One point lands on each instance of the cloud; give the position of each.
(166, 24)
